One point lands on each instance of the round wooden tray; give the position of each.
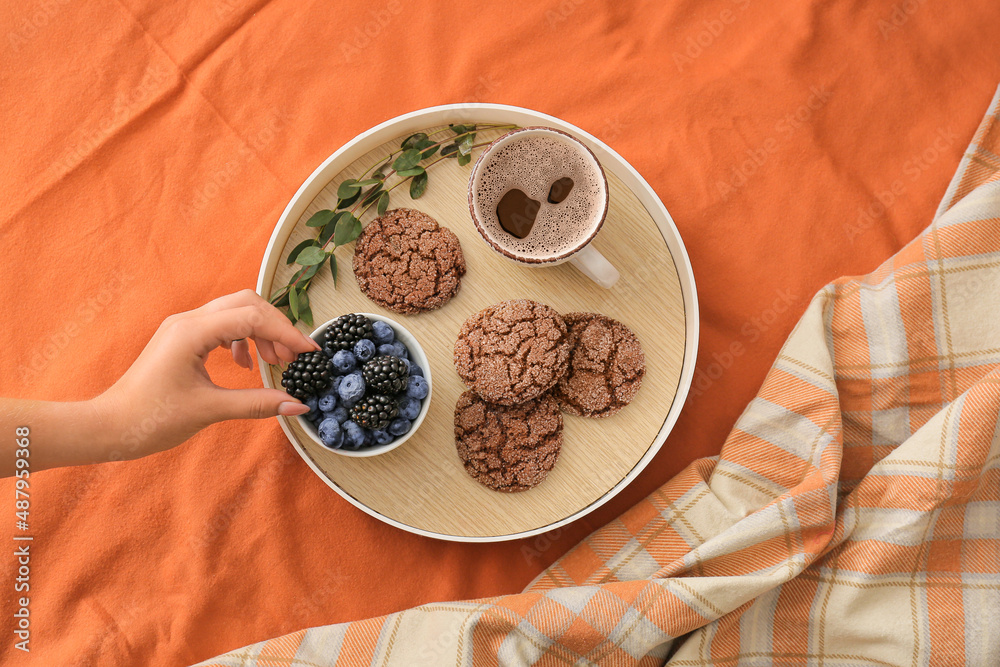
(422, 486)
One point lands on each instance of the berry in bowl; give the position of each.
(368, 389)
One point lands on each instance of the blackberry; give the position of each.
(374, 412)
(386, 374)
(347, 330)
(308, 375)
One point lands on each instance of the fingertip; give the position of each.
(292, 408)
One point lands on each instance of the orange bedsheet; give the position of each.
(150, 147)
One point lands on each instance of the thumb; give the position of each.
(256, 404)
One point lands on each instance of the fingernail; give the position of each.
(288, 409)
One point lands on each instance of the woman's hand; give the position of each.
(167, 396)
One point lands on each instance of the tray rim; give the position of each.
(441, 114)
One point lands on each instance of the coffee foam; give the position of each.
(532, 164)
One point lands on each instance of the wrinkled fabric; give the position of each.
(150, 147)
(853, 516)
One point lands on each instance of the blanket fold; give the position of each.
(852, 518)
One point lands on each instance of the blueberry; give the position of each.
(399, 426)
(389, 349)
(352, 388)
(417, 387)
(339, 413)
(354, 436)
(409, 408)
(328, 401)
(313, 404)
(401, 350)
(416, 370)
(364, 349)
(344, 361)
(381, 437)
(383, 333)
(331, 434)
(335, 383)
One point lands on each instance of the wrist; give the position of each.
(103, 417)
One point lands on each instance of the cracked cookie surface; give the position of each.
(508, 448)
(405, 262)
(606, 366)
(512, 351)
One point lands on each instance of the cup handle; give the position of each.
(596, 267)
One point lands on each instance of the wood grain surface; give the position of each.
(423, 483)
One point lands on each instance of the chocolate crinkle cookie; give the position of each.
(405, 262)
(512, 351)
(606, 366)
(508, 448)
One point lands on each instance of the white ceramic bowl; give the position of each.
(417, 356)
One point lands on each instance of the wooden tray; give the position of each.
(422, 486)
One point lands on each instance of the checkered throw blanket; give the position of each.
(852, 518)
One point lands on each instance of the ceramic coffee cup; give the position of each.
(536, 161)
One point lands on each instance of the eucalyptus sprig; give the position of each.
(355, 196)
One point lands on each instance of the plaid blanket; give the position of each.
(852, 518)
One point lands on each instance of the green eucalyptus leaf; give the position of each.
(311, 255)
(464, 160)
(465, 145)
(305, 312)
(407, 160)
(451, 150)
(282, 302)
(412, 140)
(346, 203)
(371, 195)
(327, 232)
(369, 181)
(418, 185)
(311, 271)
(348, 229)
(297, 249)
(277, 293)
(293, 302)
(333, 268)
(406, 173)
(427, 147)
(380, 172)
(460, 129)
(347, 188)
(320, 218)
(383, 203)
(288, 314)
